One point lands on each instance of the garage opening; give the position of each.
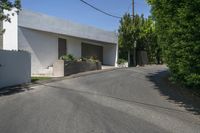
(89, 50)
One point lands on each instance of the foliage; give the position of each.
(143, 32)
(8, 5)
(178, 28)
(121, 61)
(36, 79)
(93, 59)
(90, 59)
(68, 57)
(147, 40)
(126, 33)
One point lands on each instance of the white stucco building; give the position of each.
(47, 38)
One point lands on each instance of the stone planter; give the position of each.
(65, 68)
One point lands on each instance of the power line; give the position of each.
(108, 14)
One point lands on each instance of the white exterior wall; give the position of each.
(74, 47)
(15, 68)
(41, 39)
(110, 55)
(55, 25)
(10, 37)
(43, 47)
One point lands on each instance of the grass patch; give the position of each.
(35, 79)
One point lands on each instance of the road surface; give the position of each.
(128, 100)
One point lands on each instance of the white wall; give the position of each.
(1, 36)
(74, 46)
(15, 68)
(110, 55)
(43, 47)
(10, 37)
(47, 23)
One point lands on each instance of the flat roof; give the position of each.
(42, 22)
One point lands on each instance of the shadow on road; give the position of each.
(113, 97)
(13, 90)
(180, 96)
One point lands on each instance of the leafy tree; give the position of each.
(178, 29)
(129, 32)
(138, 30)
(7, 5)
(148, 41)
(126, 39)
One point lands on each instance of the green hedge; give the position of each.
(178, 29)
(121, 61)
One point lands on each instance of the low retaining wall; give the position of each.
(15, 68)
(65, 68)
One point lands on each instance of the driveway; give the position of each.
(120, 101)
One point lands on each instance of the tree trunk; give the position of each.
(129, 60)
(134, 57)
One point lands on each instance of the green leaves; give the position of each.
(142, 31)
(178, 29)
(126, 32)
(8, 5)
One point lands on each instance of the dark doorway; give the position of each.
(62, 47)
(89, 50)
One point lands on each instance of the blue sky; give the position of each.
(78, 12)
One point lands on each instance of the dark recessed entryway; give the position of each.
(89, 50)
(62, 47)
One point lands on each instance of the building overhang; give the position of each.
(50, 24)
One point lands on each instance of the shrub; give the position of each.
(178, 29)
(90, 59)
(93, 59)
(121, 61)
(68, 57)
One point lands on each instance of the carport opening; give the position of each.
(90, 50)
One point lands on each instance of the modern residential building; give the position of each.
(47, 38)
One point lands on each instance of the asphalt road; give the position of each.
(119, 101)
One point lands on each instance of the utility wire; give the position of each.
(100, 10)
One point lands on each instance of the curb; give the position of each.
(82, 74)
(54, 79)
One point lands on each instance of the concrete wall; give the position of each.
(10, 37)
(110, 55)
(15, 68)
(39, 33)
(74, 46)
(43, 47)
(64, 68)
(1, 35)
(39, 21)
